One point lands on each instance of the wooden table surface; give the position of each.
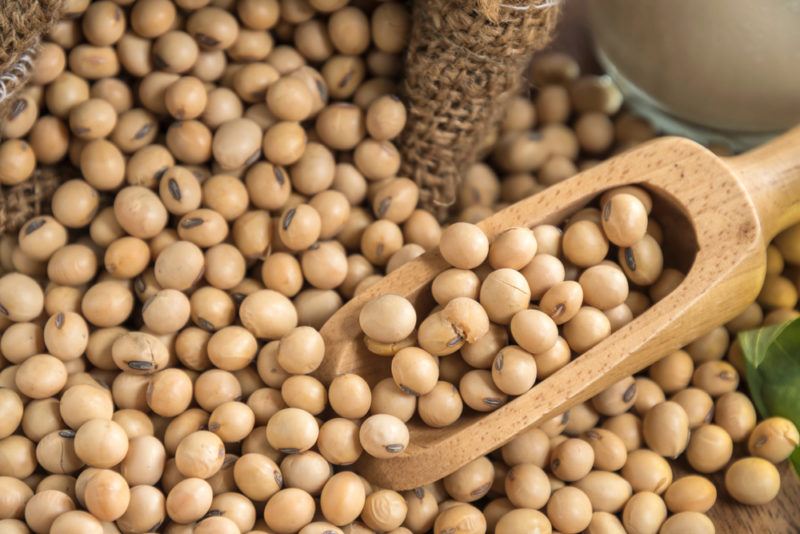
(781, 516)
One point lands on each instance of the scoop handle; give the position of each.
(771, 174)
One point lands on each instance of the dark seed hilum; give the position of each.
(280, 177)
(143, 131)
(214, 513)
(17, 107)
(630, 259)
(34, 225)
(409, 391)
(206, 40)
(455, 341)
(194, 222)
(140, 365)
(205, 324)
(480, 491)
(498, 362)
(629, 393)
(174, 189)
(384, 207)
(287, 219)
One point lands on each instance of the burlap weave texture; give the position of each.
(28, 199)
(465, 59)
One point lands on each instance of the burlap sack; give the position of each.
(465, 58)
(22, 25)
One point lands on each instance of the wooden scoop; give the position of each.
(722, 212)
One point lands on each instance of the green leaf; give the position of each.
(772, 360)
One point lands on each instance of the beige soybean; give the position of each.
(169, 392)
(442, 406)
(624, 219)
(698, 405)
(460, 518)
(688, 522)
(643, 261)
(200, 454)
(389, 318)
(514, 370)
(189, 500)
(41, 376)
(610, 453)
(304, 392)
(735, 413)
(691, 493)
(415, 371)
(605, 523)
(101, 443)
(342, 498)
(350, 396)
(710, 448)
(21, 297)
(586, 329)
(647, 471)
(608, 492)
(454, 283)
(308, 471)
(503, 293)
(107, 495)
(585, 244)
(562, 301)
(383, 435)
(268, 314)
(666, 429)
(471, 481)
(76, 521)
(257, 476)
(289, 510)
(55, 452)
(338, 441)
(773, 439)
(604, 286)
(384, 510)
(672, 372)
(644, 512)
(752, 481)
(569, 510)
(526, 486)
(464, 245)
(292, 430)
(144, 463)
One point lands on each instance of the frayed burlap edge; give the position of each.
(465, 59)
(22, 25)
(15, 77)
